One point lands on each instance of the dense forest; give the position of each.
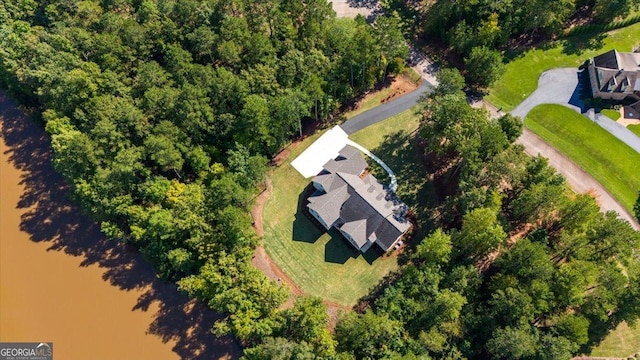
(520, 268)
(467, 24)
(476, 33)
(163, 115)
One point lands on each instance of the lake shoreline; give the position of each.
(63, 281)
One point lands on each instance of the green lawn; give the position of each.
(611, 114)
(521, 75)
(635, 129)
(607, 159)
(623, 341)
(324, 264)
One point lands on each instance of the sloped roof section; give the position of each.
(629, 61)
(608, 60)
(616, 72)
(327, 205)
(348, 161)
(357, 230)
(329, 182)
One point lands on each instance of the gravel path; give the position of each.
(351, 8)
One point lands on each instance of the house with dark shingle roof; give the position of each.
(616, 76)
(632, 111)
(358, 206)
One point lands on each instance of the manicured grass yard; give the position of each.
(607, 159)
(323, 264)
(611, 114)
(521, 75)
(623, 341)
(635, 129)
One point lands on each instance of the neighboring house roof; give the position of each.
(615, 72)
(618, 60)
(632, 111)
(361, 204)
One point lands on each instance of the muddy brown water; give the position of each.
(61, 281)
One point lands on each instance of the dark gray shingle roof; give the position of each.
(328, 205)
(360, 204)
(617, 72)
(349, 161)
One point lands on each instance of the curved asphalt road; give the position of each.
(384, 111)
(562, 86)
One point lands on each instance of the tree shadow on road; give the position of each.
(52, 218)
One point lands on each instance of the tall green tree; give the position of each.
(484, 66)
(480, 234)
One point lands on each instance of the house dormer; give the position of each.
(611, 84)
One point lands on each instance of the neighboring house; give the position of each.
(616, 76)
(358, 206)
(632, 111)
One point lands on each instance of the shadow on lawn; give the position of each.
(576, 45)
(338, 250)
(304, 229)
(401, 153)
(52, 218)
(572, 45)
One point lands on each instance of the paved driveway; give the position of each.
(557, 86)
(385, 110)
(567, 87)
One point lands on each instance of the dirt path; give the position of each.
(260, 259)
(263, 262)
